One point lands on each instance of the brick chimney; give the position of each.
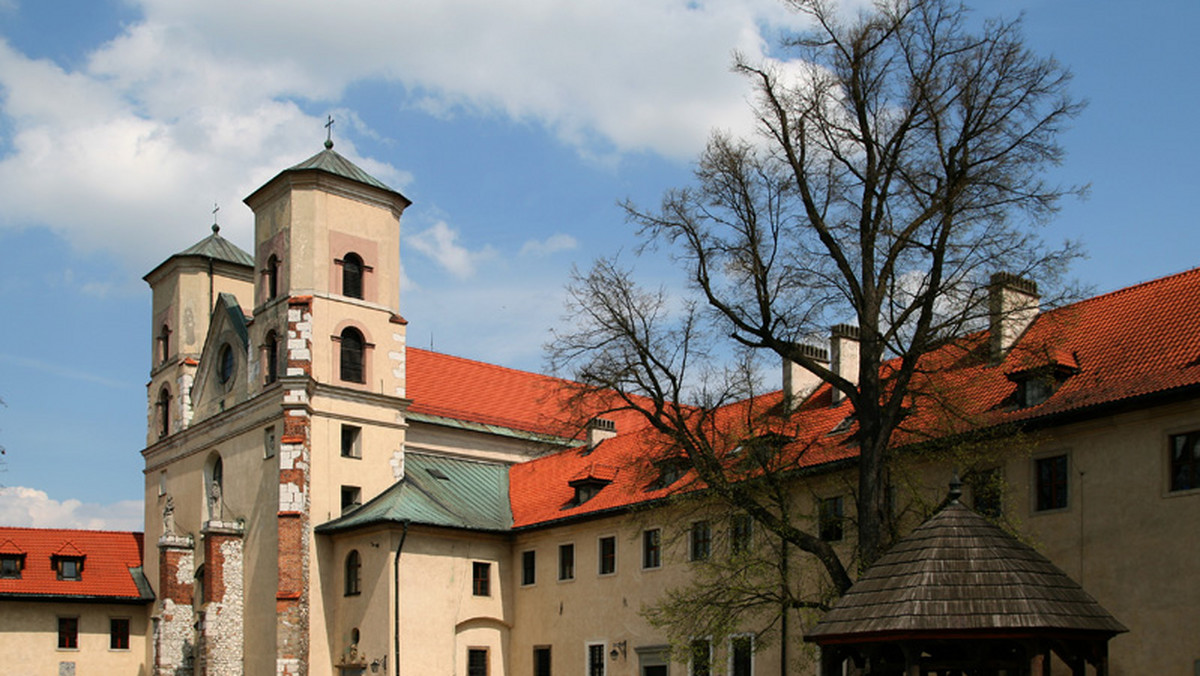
(843, 350)
(799, 382)
(599, 429)
(1013, 304)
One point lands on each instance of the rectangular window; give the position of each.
(701, 653)
(528, 567)
(477, 662)
(118, 633)
(11, 565)
(595, 659)
(162, 483)
(831, 516)
(741, 532)
(351, 441)
(700, 545)
(1051, 482)
(68, 633)
(741, 650)
(566, 562)
(608, 555)
(651, 548)
(1185, 461)
(69, 567)
(481, 578)
(541, 660)
(351, 498)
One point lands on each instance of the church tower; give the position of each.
(185, 290)
(295, 369)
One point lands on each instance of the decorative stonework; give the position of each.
(292, 520)
(173, 627)
(396, 356)
(221, 637)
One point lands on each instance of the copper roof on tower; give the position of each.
(958, 573)
(330, 161)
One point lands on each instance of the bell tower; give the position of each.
(185, 290)
(327, 230)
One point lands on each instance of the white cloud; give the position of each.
(196, 102)
(29, 507)
(440, 243)
(552, 244)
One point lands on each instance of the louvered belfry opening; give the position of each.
(961, 597)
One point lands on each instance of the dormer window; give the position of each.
(589, 482)
(586, 490)
(1034, 391)
(68, 567)
(843, 426)
(670, 470)
(11, 566)
(1038, 383)
(759, 451)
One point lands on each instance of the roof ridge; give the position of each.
(494, 365)
(1124, 289)
(71, 530)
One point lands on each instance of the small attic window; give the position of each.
(1036, 385)
(762, 449)
(844, 425)
(437, 474)
(11, 565)
(586, 490)
(669, 471)
(68, 567)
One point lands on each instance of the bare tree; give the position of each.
(899, 163)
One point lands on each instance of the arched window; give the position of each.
(353, 349)
(352, 276)
(225, 363)
(164, 344)
(162, 411)
(272, 277)
(271, 357)
(353, 573)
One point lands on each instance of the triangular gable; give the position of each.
(67, 549)
(10, 547)
(228, 326)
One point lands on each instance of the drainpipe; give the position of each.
(396, 597)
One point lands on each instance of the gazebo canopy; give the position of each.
(959, 577)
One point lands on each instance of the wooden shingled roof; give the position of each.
(959, 575)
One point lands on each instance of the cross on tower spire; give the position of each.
(329, 134)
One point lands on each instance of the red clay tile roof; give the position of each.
(472, 391)
(1113, 348)
(109, 557)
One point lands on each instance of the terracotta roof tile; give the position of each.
(1115, 347)
(472, 391)
(111, 569)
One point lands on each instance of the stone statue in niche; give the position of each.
(169, 516)
(214, 491)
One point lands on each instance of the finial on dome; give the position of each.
(955, 489)
(329, 134)
(216, 228)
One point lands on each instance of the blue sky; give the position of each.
(515, 127)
